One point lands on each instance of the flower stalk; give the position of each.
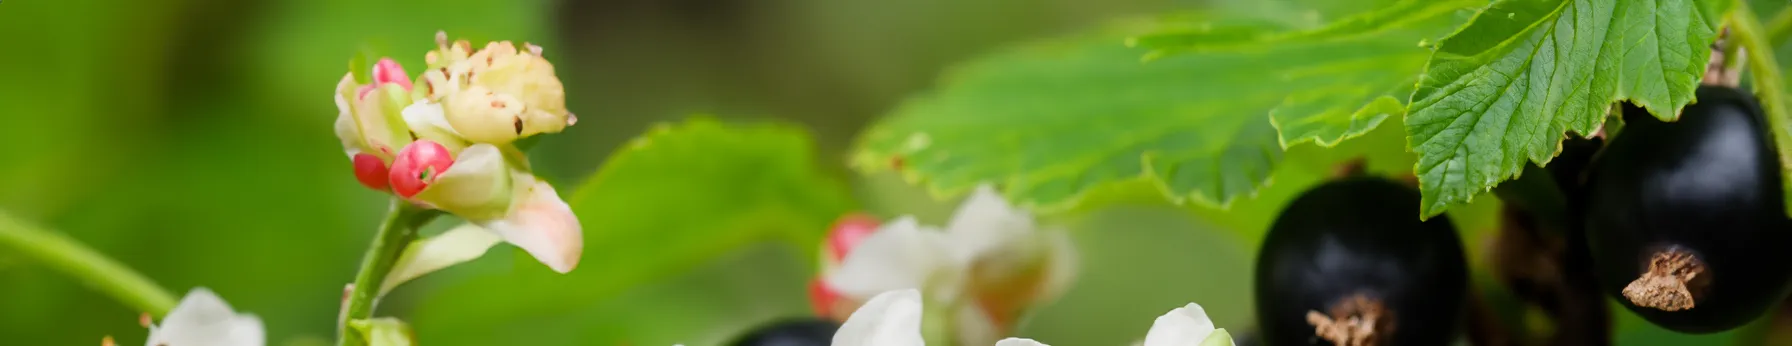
(83, 263)
(395, 233)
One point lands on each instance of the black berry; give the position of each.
(1685, 220)
(790, 332)
(1350, 263)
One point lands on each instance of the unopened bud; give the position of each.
(847, 232)
(371, 171)
(388, 71)
(418, 166)
(825, 300)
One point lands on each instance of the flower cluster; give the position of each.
(446, 140)
(894, 319)
(987, 266)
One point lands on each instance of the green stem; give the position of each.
(1769, 83)
(1778, 27)
(83, 263)
(395, 233)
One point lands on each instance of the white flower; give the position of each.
(893, 318)
(204, 319)
(1019, 342)
(889, 319)
(491, 186)
(496, 94)
(990, 261)
(446, 144)
(1186, 326)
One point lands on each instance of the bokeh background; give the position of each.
(191, 140)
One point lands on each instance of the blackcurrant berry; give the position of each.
(1685, 220)
(1569, 168)
(1350, 263)
(790, 332)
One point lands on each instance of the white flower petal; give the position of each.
(346, 129)
(485, 116)
(975, 327)
(985, 221)
(543, 225)
(899, 255)
(1061, 266)
(459, 245)
(889, 319)
(1019, 342)
(204, 319)
(1219, 338)
(426, 120)
(350, 136)
(477, 187)
(1187, 325)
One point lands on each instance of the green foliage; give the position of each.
(213, 117)
(384, 331)
(679, 196)
(1368, 61)
(1500, 92)
(1051, 121)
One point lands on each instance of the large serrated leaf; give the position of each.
(1052, 120)
(672, 199)
(1502, 91)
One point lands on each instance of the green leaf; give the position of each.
(384, 331)
(1504, 89)
(1050, 121)
(677, 197)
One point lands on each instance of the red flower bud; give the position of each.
(847, 232)
(823, 298)
(417, 166)
(371, 171)
(388, 71)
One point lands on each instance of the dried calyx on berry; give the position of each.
(1349, 262)
(1685, 220)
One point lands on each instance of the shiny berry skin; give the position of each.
(388, 71)
(371, 171)
(1355, 248)
(790, 332)
(847, 232)
(1685, 220)
(417, 166)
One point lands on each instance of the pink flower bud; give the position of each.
(824, 299)
(371, 171)
(388, 71)
(847, 232)
(417, 166)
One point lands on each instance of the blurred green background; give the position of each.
(191, 140)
